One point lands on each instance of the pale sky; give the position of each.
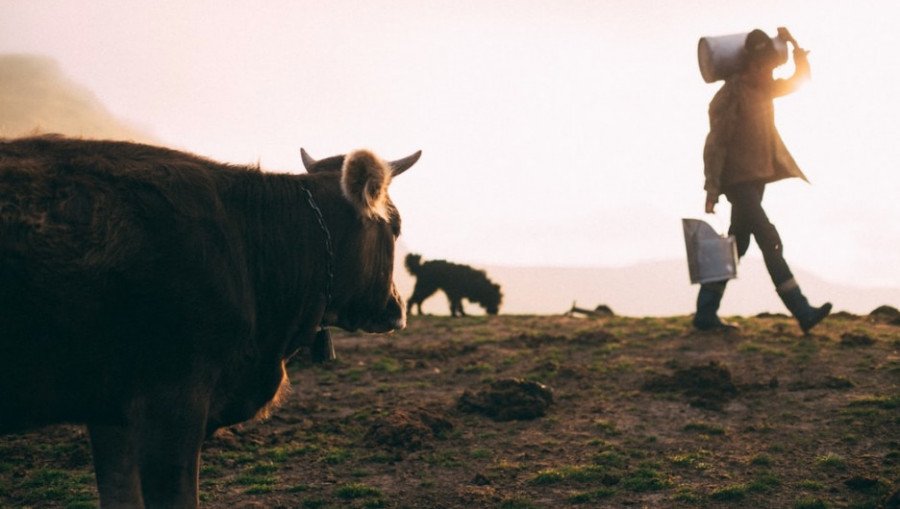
(563, 133)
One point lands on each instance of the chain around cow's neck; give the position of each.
(329, 252)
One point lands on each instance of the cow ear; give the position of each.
(364, 180)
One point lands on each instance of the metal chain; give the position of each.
(329, 264)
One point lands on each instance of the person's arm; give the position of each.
(801, 67)
(722, 115)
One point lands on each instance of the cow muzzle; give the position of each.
(392, 318)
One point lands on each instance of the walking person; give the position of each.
(743, 153)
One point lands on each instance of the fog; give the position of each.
(561, 135)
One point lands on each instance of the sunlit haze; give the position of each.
(563, 134)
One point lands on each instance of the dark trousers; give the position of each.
(749, 218)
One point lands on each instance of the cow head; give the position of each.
(364, 296)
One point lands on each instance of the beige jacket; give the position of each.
(743, 144)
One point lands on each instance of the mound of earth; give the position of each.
(843, 315)
(706, 386)
(885, 314)
(407, 429)
(850, 340)
(767, 314)
(509, 399)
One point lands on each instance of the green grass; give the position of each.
(751, 347)
(337, 455)
(357, 490)
(810, 503)
(645, 479)
(831, 461)
(688, 496)
(610, 459)
(255, 480)
(479, 367)
(259, 489)
(60, 486)
(810, 485)
(446, 459)
(704, 428)
(387, 365)
(881, 402)
(764, 482)
(481, 453)
(602, 446)
(283, 453)
(580, 473)
(606, 427)
(263, 468)
(516, 503)
(761, 460)
(592, 496)
(730, 493)
(693, 460)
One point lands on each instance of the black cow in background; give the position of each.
(456, 280)
(155, 295)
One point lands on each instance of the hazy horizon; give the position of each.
(564, 135)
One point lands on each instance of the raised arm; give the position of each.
(801, 67)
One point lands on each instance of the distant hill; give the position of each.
(648, 289)
(36, 98)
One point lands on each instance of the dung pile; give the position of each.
(407, 429)
(508, 400)
(706, 386)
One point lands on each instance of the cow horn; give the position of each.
(308, 161)
(401, 165)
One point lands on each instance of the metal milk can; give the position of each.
(721, 56)
(711, 256)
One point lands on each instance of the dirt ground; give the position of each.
(549, 411)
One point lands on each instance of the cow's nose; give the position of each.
(395, 314)
(399, 323)
(388, 325)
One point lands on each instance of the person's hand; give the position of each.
(785, 35)
(710, 206)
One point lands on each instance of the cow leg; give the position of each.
(172, 434)
(116, 466)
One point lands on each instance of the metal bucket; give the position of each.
(711, 257)
(723, 55)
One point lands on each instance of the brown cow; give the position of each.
(155, 295)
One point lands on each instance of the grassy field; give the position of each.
(645, 413)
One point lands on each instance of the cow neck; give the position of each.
(329, 250)
(322, 349)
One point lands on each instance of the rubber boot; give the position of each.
(708, 299)
(806, 315)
